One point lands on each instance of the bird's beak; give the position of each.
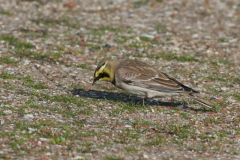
(93, 83)
(95, 80)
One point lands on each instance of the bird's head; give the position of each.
(105, 71)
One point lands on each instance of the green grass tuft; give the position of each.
(5, 13)
(112, 158)
(131, 149)
(7, 60)
(168, 56)
(7, 76)
(145, 39)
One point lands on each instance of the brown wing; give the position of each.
(140, 74)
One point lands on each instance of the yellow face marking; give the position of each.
(105, 79)
(102, 70)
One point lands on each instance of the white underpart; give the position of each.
(144, 92)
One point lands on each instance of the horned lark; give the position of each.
(141, 79)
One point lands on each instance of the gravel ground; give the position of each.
(49, 50)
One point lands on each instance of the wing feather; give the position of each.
(140, 74)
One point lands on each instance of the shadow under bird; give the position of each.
(141, 79)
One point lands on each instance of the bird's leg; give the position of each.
(172, 99)
(144, 99)
(139, 101)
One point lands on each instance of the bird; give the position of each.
(141, 79)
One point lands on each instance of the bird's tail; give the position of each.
(199, 100)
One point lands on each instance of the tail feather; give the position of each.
(199, 100)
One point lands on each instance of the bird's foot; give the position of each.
(140, 101)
